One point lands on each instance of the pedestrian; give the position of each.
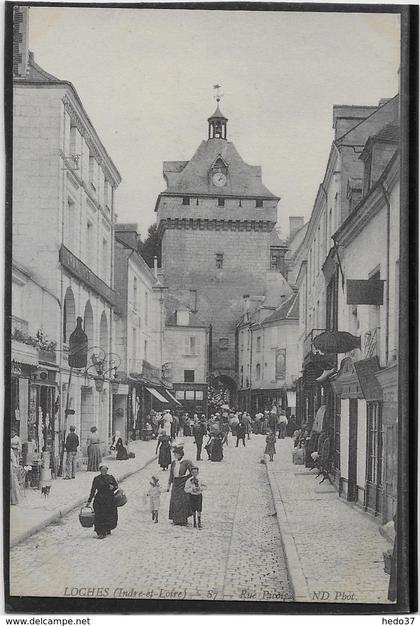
(258, 423)
(174, 427)
(234, 421)
(154, 495)
(194, 487)
(167, 422)
(199, 430)
(15, 492)
(164, 447)
(187, 429)
(93, 450)
(272, 420)
(117, 444)
(214, 447)
(179, 505)
(282, 425)
(15, 443)
(240, 433)
(72, 443)
(270, 447)
(225, 431)
(246, 420)
(102, 493)
(181, 425)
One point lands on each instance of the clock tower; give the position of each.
(215, 221)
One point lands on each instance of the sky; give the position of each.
(146, 76)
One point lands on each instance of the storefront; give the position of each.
(192, 397)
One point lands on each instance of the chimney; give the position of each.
(155, 266)
(295, 224)
(128, 234)
(246, 307)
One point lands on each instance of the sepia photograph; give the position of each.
(207, 274)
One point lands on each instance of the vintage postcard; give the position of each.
(208, 356)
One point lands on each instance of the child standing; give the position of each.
(154, 495)
(270, 447)
(195, 487)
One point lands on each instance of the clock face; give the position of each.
(219, 179)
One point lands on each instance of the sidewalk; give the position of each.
(35, 512)
(333, 550)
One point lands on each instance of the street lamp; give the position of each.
(98, 360)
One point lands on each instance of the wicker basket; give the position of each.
(87, 516)
(120, 498)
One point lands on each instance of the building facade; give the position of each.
(63, 197)
(139, 334)
(367, 380)
(187, 359)
(216, 220)
(267, 359)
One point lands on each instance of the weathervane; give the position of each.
(218, 94)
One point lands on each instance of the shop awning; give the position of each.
(365, 371)
(319, 419)
(157, 395)
(168, 393)
(336, 342)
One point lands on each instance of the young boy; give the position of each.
(195, 487)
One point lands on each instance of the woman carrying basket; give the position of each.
(102, 493)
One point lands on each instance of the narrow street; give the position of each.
(236, 556)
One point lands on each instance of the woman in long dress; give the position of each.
(14, 482)
(94, 450)
(122, 453)
(216, 453)
(179, 505)
(164, 447)
(102, 493)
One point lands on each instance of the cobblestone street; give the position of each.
(236, 556)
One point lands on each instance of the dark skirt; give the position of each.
(196, 502)
(270, 448)
(94, 457)
(216, 453)
(179, 506)
(122, 454)
(106, 513)
(165, 455)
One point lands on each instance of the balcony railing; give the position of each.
(370, 343)
(307, 342)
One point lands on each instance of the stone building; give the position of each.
(139, 334)
(317, 270)
(267, 357)
(186, 356)
(216, 221)
(63, 200)
(367, 380)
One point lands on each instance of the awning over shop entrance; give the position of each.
(157, 395)
(168, 393)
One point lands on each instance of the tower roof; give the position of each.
(217, 115)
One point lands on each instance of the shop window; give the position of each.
(179, 394)
(189, 394)
(199, 395)
(188, 376)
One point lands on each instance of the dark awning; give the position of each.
(336, 342)
(365, 371)
(365, 292)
